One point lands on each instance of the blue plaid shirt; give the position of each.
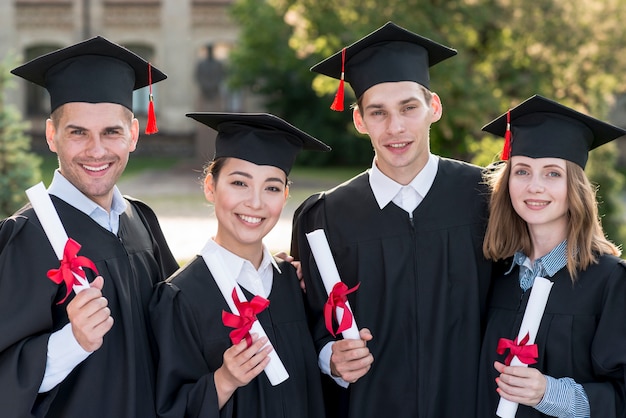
(563, 397)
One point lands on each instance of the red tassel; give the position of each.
(338, 102)
(151, 125)
(506, 150)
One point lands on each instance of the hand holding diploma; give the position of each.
(337, 291)
(232, 293)
(522, 350)
(89, 315)
(66, 249)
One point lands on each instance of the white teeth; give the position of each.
(537, 203)
(251, 219)
(99, 168)
(398, 145)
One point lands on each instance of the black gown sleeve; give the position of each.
(607, 395)
(24, 338)
(162, 251)
(307, 218)
(185, 385)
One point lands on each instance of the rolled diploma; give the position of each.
(275, 369)
(52, 226)
(530, 325)
(330, 275)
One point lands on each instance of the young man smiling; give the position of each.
(410, 231)
(88, 354)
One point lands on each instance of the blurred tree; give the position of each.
(610, 182)
(508, 51)
(19, 167)
(267, 62)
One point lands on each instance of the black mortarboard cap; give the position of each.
(541, 127)
(93, 71)
(260, 138)
(389, 54)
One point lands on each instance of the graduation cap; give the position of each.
(389, 54)
(93, 71)
(540, 127)
(260, 138)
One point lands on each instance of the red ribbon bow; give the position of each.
(70, 264)
(527, 354)
(247, 315)
(337, 299)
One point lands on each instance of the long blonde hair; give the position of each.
(507, 232)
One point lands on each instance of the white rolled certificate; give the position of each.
(275, 369)
(537, 301)
(52, 225)
(330, 275)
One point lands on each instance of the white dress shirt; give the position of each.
(387, 190)
(256, 281)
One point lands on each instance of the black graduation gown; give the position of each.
(186, 314)
(116, 380)
(423, 290)
(582, 335)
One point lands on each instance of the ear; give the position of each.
(209, 188)
(357, 118)
(50, 133)
(134, 134)
(286, 195)
(437, 107)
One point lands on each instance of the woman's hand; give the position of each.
(523, 385)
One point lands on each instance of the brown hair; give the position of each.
(214, 168)
(507, 232)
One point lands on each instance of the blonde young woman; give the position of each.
(544, 222)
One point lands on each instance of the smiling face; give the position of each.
(248, 201)
(538, 190)
(397, 118)
(93, 142)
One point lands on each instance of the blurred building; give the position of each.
(177, 36)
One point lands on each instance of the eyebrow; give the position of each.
(66, 127)
(400, 103)
(108, 128)
(249, 176)
(545, 166)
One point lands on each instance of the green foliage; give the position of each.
(508, 51)
(486, 150)
(19, 168)
(611, 184)
(265, 63)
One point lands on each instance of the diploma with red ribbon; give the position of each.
(337, 290)
(526, 353)
(247, 315)
(275, 369)
(523, 350)
(66, 249)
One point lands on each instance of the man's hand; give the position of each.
(286, 257)
(351, 359)
(90, 316)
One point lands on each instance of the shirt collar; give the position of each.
(66, 191)
(234, 263)
(385, 189)
(549, 264)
